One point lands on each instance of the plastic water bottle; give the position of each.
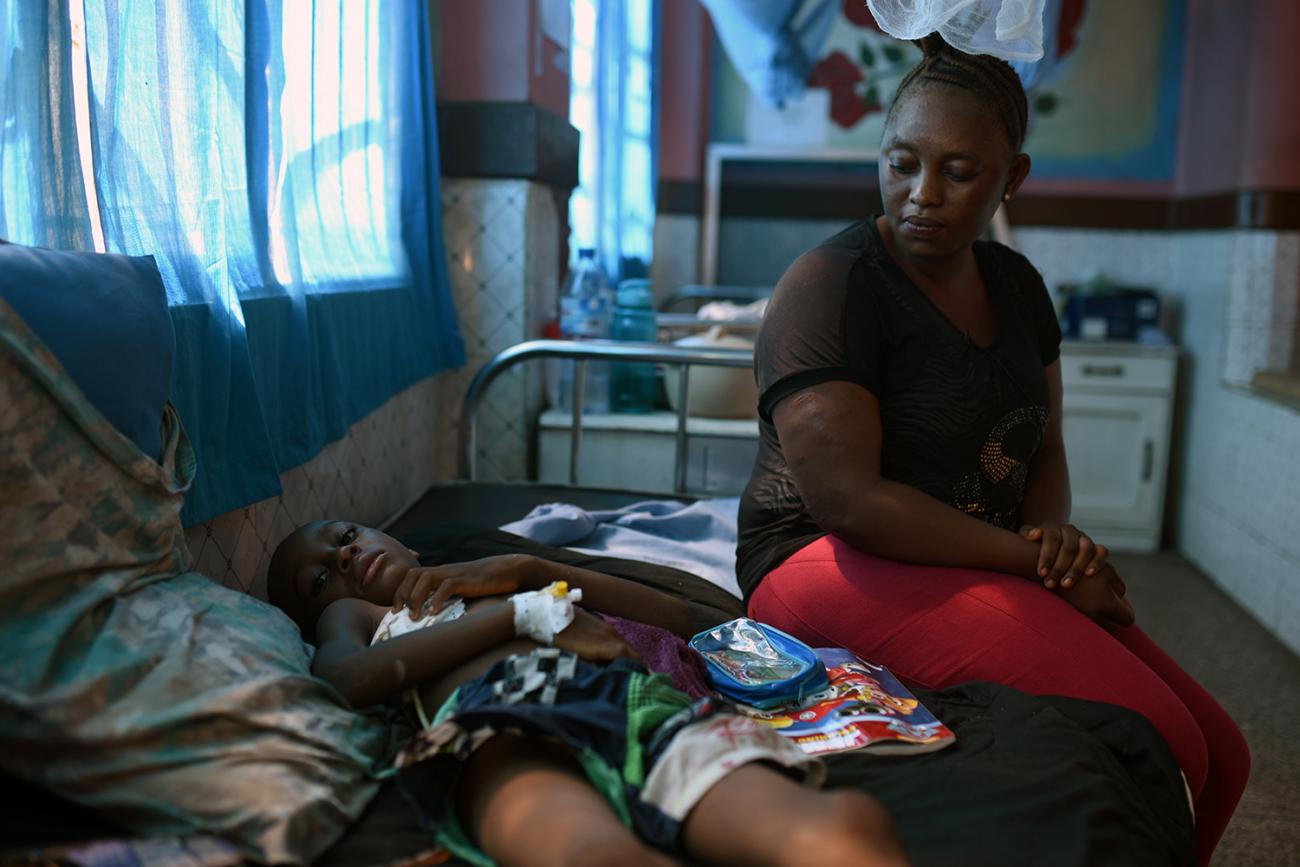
(634, 386)
(586, 306)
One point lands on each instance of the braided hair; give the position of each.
(989, 79)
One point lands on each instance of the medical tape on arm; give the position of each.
(541, 614)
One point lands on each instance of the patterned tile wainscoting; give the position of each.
(386, 460)
(502, 239)
(502, 243)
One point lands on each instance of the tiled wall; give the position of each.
(1235, 486)
(502, 246)
(503, 256)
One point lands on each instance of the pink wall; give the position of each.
(686, 38)
(1240, 124)
(1272, 147)
(493, 51)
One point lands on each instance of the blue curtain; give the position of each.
(167, 114)
(279, 161)
(772, 51)
(42, 193)
(342, 149)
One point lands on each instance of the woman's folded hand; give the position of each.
(1101, 597)
(1066, 553)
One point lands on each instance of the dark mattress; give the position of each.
(1030, 780)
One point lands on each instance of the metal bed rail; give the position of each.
(582, 351)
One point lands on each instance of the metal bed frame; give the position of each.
(581, 352)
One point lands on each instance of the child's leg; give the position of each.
(527, 805)
(756, 816)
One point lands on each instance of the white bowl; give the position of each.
(715, 392)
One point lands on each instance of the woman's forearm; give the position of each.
(832, 439)
(1047, 492)
(899, 522)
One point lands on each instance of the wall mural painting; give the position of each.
(1105, 110)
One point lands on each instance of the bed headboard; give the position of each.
(720, 154)
(582, 352)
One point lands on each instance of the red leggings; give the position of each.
(937, 626)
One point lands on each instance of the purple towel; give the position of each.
(665, 653)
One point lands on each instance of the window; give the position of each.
(332, 164)
(331, 160)
(611, 104)
(278, 160)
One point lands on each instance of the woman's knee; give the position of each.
(1229, 754)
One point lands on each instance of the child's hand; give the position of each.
(1101, 597)
(593, 639)
(491, 576)
(1066, 553)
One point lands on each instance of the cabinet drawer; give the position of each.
(1117, 372)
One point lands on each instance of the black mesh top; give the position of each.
(959, 422)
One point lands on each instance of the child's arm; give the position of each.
(367, 675)
(513, 572)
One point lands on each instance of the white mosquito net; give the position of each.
(1010, 29)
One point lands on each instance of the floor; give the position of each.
(1254, 676)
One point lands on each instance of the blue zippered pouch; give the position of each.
(759, 665)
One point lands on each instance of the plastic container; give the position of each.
(586, 308)
(759, 665)
(634, 387)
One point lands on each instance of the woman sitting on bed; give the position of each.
(911, 500)
(551, 740)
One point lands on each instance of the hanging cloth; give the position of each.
(1009, 29)
(772, 51)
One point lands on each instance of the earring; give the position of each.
(1006, 197)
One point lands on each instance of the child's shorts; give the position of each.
(645, 746)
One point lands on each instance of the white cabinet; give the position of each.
(1117, 414)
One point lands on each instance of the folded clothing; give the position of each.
(699, 538)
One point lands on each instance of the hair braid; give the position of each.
(991, 80)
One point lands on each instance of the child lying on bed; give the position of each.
(552, 739)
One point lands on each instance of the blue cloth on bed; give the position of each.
(699, 538)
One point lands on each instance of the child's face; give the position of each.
(332, 560)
